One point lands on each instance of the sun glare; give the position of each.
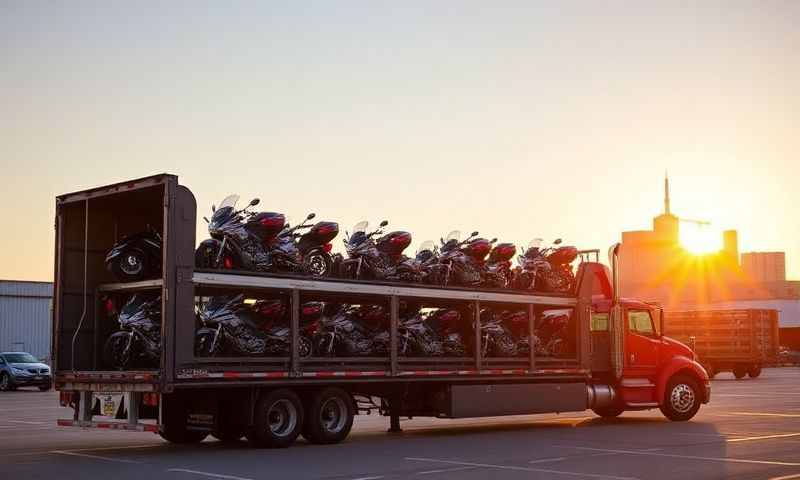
(700, 239)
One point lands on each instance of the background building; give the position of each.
(764, 266)
(25, 313)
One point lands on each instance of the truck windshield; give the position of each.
(20, 358)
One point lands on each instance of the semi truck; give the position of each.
(740, 341)
(615, 359)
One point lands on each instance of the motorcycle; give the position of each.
(518, 325)
(344, 333)
(231, 326)
(238, 237)
(263, 241)
(546, 270)
(496, 340)
(416, 338)
(307, 252)
(497, 269)
(463, 260)
(380, 259)
(136, 256)
(138, 342)
(427, 263)
(552, 331)
(446, 322)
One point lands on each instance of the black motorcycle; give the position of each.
(263, 242)
(380, 259)
(463, 259)
(446, 322)
(345, 333)
(137, 344)
(416, 338)
(136, 256)
(497, 269)
(496, 339)
(546, 269)
(308, 253)
(229, 326)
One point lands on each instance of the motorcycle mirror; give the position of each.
(557, 241)
(493, 240)
(474, 234)
(206, 219)
(254, 202)
(311, 215)
(213, 208)
(384, 223)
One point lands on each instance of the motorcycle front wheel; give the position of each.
(131, 265)
(204, 344)
(318, 264)
(117, 353)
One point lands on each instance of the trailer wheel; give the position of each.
(174, 428)
(739, 371)
(278, 419)
(681, 398)
(229, 433)
(329, 416)
(754, 371)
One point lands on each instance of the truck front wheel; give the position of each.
(754, 371)
(612, 411)
(739, 371)
(329, 416)
(681, 398)
(278, 419)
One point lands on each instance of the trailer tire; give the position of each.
(174, 428)
(229, 434)
(682, 398)
(739, 371)
(278, 419)
(754, 371)
(329, 416)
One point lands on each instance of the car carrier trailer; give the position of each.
(616, 359)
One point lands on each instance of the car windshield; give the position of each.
(535, 243)
(426, 245)
(454, 235)
(361, 226)
(229, 201)
(20, 358)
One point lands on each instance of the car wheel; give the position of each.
(278, 419)
(5, 383)
(681, 398)
(329, 416)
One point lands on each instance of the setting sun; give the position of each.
(700, 239)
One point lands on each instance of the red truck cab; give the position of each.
(654, 370)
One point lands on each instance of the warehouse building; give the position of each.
(25, 313)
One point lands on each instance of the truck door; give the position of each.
(642, 345)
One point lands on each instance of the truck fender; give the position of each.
(675, 365)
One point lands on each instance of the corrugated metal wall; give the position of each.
(25, 313)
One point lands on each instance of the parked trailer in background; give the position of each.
(613, 357)
(738, 341)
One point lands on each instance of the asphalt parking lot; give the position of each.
(751, 429)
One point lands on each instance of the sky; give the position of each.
(516, 119)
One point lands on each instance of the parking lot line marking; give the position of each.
(25, 422)
(548, 460)
(445, 470)
(207, 474)
(766, 414)
(95, 457)
(764, 437)
(519, 469)
(687, 457)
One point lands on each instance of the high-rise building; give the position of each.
(764, 267)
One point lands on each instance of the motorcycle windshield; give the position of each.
(455, 235)
(220, 309)
(141, 311)
(535, 243)
(220, 220)
(427, 245)
(360, 227)
(229, 201)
